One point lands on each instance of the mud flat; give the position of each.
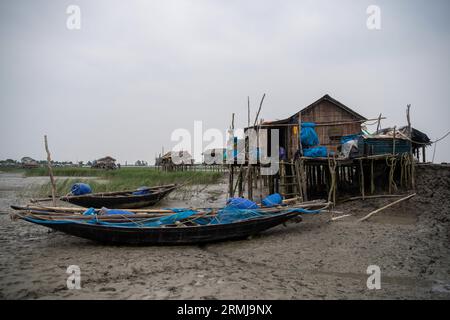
(313, 259)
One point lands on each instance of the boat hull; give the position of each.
(119, 201)
(169, 235)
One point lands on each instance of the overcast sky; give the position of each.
(137, 70)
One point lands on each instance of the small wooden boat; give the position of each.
(138, 228)
(119, 199)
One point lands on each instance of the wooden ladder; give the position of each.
(290, 186)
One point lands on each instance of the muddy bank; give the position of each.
(312, 259)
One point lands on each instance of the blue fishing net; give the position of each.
(308, 135)
(224, 216)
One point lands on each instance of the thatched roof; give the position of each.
(106, 159)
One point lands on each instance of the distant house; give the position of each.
(214, 156)
(28, 162)
(8, 163)
(176, 160)
(105, 163)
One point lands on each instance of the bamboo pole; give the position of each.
(374, 197)
(393, 142)
(300, 134)
(254, 125)
(250, 183)
(340, 217)
(50, 171)
(240, 190)
(372, 181)
(303, 179)
(361, 168)
(231, 168)
(386, 206)
(379, 123)
(258, 168)
(413, 183)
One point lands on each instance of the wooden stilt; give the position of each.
(413, 182)
(231, 182)
(240, 177)
(372, 181)
(361, 173)
(250, 182)
(50, 171)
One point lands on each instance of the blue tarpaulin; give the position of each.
(315, 152)
(308, 135)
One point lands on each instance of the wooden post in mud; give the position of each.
(50, 171)
(393, 142)
(247, 179)
(413, 184)
(303, 179)
(361, 169)
(230, 181)
(240, 177)
(259, 184)
(372, 181)
(300, 134)
(231, 162)
(249, 183)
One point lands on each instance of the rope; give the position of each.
(434, 152)
(405, 162)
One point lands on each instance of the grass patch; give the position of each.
(122, 179)
(68, 172)
(11, 170)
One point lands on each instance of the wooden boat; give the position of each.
(119, 199)
(131, 229)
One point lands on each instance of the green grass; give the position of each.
(11, 170)
(70, 172)
(122, 179)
